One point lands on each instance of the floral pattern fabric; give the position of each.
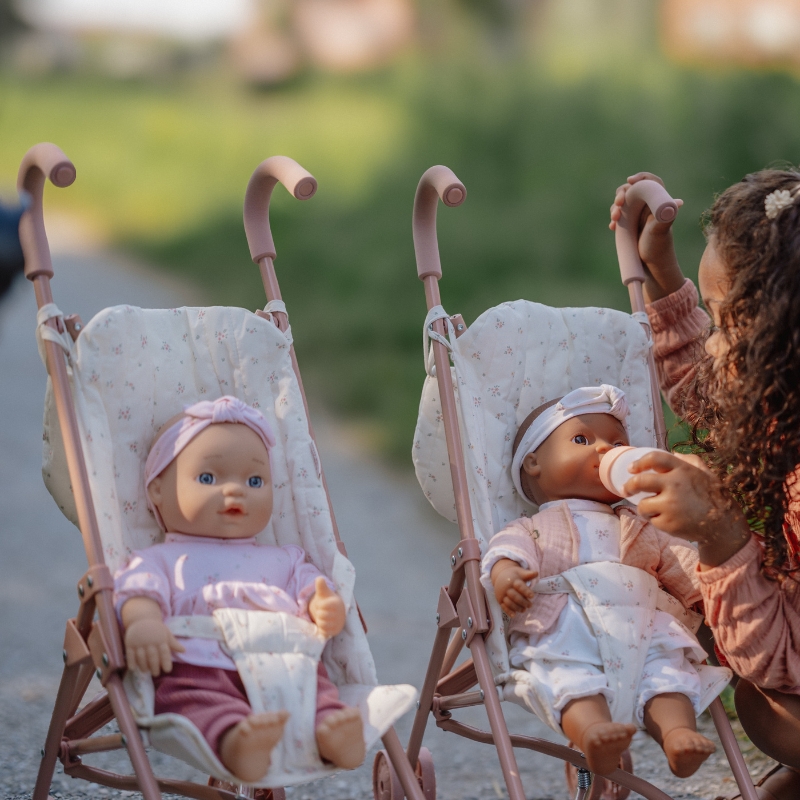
(513, 358)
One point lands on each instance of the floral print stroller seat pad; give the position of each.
(131, 369)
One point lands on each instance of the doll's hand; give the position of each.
(656, 248)
(510, 586)
(326, 609)
(689, 503)
(149, 645)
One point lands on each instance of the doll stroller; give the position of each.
(513, 358)
(111, 384)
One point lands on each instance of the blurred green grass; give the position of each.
(163, 169)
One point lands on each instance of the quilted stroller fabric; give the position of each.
(512, 359)
(132, 369)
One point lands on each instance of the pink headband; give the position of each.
(196, 418)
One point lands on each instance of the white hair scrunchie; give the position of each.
(603, 399)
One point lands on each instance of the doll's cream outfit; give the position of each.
(600, 622)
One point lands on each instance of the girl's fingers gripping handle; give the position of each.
(642, 193)
(298, 181)
(436, 183)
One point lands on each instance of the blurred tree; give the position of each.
(11, 23)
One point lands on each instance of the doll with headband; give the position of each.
(583, 585)
(208, 484)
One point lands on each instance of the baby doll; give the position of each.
(557, 631)
(208, 483)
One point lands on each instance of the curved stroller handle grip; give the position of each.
(436, 183)
(41, 162)
(664, 209)
(298, 181)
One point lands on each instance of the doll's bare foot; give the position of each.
(246, 748)
(603, 743)
(340, 738)
(686, 750)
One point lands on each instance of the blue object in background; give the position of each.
(11, 259)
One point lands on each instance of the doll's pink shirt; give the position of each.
(549, 543)
(756, 622)
(191, 575)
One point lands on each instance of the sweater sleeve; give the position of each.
(677, 568)
(756, 622)
(679, 327)
(516, 542)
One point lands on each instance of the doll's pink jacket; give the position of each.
(756, 622)
(548, 542)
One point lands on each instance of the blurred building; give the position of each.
(267, 41)
(751, 32)
(331, 35)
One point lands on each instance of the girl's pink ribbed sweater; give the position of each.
(756, 622)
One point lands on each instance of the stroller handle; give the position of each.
(664, 208)
(298, 181)
(436, 182)
(42, 161)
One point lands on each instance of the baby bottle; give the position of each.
(614, 473)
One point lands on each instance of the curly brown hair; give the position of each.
(751, 430)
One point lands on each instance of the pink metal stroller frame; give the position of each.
(93, 643)
(462, 615)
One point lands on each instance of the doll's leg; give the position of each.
(339, 729)
(670, 719)
(587, 722)
(216, 702)
(245, 749)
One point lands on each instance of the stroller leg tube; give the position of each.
(127, 725)
(426, 695)
(52, 745)
(405, 772)
(731, 748)
(497, 722)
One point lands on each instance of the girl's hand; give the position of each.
(689, 503)
(510, 586)
(326, 609)
(656, 248)
(149, 645)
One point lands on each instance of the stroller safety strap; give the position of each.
(642, 318)
(557, 584)
(437, 312)
(276, 655)
(44, 332)
(278, 306)
(195, 628)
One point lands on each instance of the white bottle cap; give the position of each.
(614, 472)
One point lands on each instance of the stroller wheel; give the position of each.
(425, 774)
(601, 789)
(385, 780)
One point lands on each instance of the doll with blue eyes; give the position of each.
(209, 486)
(597, 597)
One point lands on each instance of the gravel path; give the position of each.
(399, 545)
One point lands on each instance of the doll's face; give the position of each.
(567, 464)
(219, 485)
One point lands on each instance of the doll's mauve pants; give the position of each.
(215, 699)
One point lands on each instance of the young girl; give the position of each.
(209, 485)
(604, 646)
(737, 381)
